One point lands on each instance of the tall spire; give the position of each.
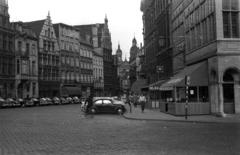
(106, 20)
(118, 45)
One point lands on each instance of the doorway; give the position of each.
(228, 93)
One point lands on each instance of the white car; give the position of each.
(64, 101)
(56, 100)
(10, 102)
(3, 103)
(49, 101)
(76, 100)
(43, 101)
(70, 100)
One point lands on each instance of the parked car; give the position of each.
(49, 101)
(10, 102)
(20, 102)
(16, 103)
(107, 104)
(3, 103)
(56, 100)
(28, 102)
(70, 100)
(43, 101)
(76, 100)
(63, 100)
(35, 101)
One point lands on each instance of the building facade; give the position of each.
(98, 74)
(68, 38)
(204, 46)
(26, 69)
(7, 55)
(48, 57)
(86, 53)
(99, 35)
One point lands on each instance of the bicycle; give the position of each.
(88, 113)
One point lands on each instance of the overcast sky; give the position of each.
(124, 16)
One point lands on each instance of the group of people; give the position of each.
(137, 99)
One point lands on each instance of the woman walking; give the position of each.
(142, 100)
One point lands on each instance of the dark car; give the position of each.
(28, 102)
(107, 104)
(20, 102)
(35, 101)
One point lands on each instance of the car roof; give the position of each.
(99, 98)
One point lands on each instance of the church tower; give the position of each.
(119, 54)
(134, 49)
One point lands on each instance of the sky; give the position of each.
(124, 16)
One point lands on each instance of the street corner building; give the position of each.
(199, 39)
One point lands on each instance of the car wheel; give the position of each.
(93, 111)
(120, 111)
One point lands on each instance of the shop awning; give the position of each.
(70, 91)
(154, 86)
(137, 85)
(198, 77)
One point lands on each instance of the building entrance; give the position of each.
(228, 96)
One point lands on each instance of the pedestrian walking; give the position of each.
(128, 101)
(142, 100)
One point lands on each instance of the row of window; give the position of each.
(97, 62)
(77, 76)
(7, 66)
(6, 42)
(70, 46)
(48, 74)
(97, 72)
(70, 61)
(26, 49)
(201, 12)
(201, 34)
(49, 46)
(45, 59)
(26, 67)
(69, 33)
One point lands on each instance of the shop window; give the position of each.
(166, 95)
(203, 94)
(192, 94)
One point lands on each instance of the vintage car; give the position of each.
(49, 101)
(107, 104)
(35, 101)
(3, 103)
(43, 101)
(56, 100)
(70, 100)
(9, 102)
(76, 100)
(19, 102)
(27, 102)
(63, 100)
(16, 103)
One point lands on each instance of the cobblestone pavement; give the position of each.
(62, 130)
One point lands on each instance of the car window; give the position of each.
(107, 102)
(98, 102)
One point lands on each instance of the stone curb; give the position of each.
(182, 121)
